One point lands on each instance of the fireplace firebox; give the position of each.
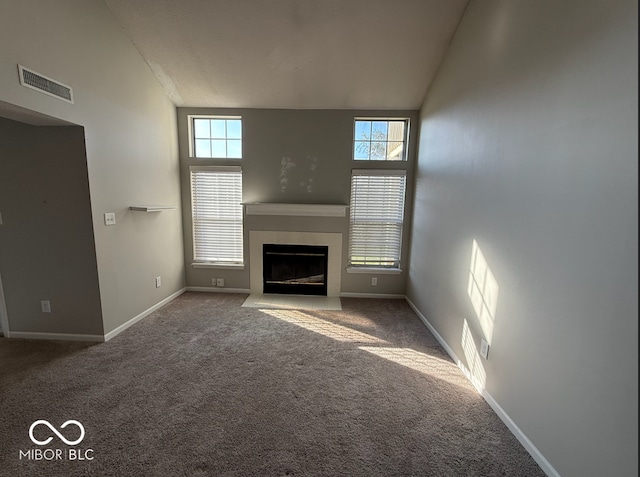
(295, 269)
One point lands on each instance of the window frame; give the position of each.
(200, 262)
(192, 139)
(382, 167)
(405, 139)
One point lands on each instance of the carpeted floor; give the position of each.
(206, 387)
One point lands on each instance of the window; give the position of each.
(217, 137)
(377, 210)
(380, 139)
(216, 209)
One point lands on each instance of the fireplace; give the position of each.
(258, 238)
(295, 269)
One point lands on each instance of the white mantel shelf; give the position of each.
(301, 210)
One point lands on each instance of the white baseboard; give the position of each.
(544, 464)
(219, 290)
(142, 315)
(248, 291)
(391, 296)
(34, 335)
(433, 331)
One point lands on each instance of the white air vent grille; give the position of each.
(33, 80)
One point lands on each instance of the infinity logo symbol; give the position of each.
(55, 431)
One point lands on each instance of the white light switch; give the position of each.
(109, 218)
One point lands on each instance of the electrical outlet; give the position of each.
(484, 349)
(214, 282)
(158, 282)
(45, 306)
(219, 282)
(374, 281)
(109, 218)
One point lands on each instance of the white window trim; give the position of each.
(374, 270)
(192, 152)
(378, 172)
(239, 266)
(215, 168)
(407, 122)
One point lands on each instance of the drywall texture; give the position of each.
(131, 142)
(46, 238)
(528, 146)
(302, 54)
(312, 151)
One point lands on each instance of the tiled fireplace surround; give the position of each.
(333, 240)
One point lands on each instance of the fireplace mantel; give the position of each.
(300, 210)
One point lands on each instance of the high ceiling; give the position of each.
(299, 54)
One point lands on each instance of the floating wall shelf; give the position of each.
(151, 208)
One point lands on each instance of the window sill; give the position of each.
(375, 270)
(234, 266)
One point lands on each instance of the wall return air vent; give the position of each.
(33, 80)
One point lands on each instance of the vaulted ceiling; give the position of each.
(299, 54)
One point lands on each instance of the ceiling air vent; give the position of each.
(45, 85)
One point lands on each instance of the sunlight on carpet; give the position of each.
(325, 328)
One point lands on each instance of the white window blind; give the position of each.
(377, 210)
(216, 207)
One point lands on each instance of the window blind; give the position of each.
(377, 210)
(216, 201)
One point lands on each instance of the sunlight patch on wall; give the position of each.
(483, 291)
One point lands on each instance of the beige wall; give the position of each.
(529, 146)
(131, 142)
(306, 137)
(46, 239)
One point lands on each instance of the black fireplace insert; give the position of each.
(295, 269)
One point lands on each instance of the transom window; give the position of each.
(217, 137)
(380, 139)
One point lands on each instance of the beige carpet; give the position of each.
(206, 387)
